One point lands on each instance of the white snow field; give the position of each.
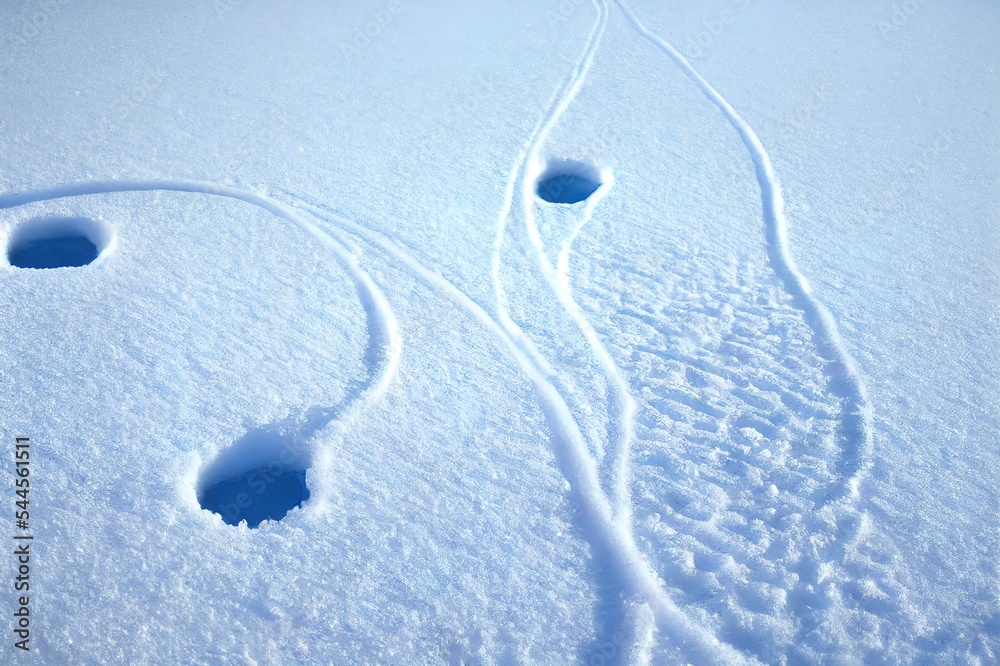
(464, 332)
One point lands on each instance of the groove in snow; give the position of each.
(846, 381)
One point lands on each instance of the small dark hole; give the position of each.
(64, 251)
(567, 182)
(58, 242)
(261, 494)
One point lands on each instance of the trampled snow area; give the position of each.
(584, 332)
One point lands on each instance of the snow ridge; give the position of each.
(846, 382)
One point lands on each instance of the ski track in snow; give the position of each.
(385, 343)
(562, 262)
(608, 527)
(622, 406)
(846, 382)
(603, 531)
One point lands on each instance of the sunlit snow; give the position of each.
(580, 332)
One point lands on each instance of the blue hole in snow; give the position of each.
(256, 496)
(63, 251)
(567, 182)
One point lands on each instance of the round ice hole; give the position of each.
(567, 182)
(261, 476)
(265, 493)
(58, 242)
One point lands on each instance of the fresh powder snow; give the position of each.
(564, 332)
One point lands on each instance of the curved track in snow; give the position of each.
(622, 406)
(606, 522)
(385, 343)
(846, 382)
(605, 534)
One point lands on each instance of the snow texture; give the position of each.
(599, 332)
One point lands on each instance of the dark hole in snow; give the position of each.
(567, 182)
(266, 493)
(261, 476)
(68, 251)
(62, 242)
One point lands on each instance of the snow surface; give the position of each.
(739, 405)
